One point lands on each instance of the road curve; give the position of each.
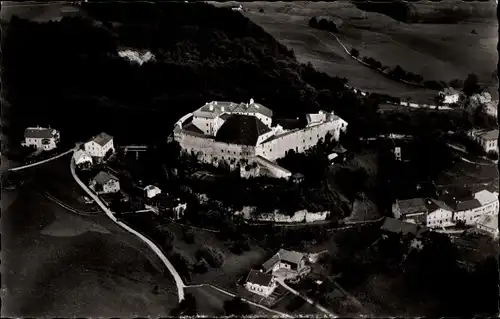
(41, 162)
(178, 281)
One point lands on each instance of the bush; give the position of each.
(201, 266)
(261, 10)
(354, 52)
(213, 256)
(182, 263)
(188, 235)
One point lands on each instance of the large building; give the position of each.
(488, 139)
(99, 145)
(41, 138)
(242, 135)
(448, 210)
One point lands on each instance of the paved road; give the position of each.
(295, 292)
(178, 281)
(41, 162)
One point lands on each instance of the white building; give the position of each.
(105, 183)
(488, 224)
(449, 95)
(260, 283)
(236, 134)
(99, 145)
(439, 214)
(151, 191)
(488, 139)
(82, 159)
(285, 259)
(41, 138)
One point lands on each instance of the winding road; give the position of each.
(41, 162)
(178, 281)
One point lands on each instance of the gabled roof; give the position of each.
(259, 278)
(485, 197)
(80, 153)
(339, 149)
(466, 205)
(271, 262)
(397, 226)
(102, 138)
(241, 129)
(434, 204)
(448, 91)
(39, 132)
(253, 107)
(104, 177)
(225, 116)
(410, 206)
(293, 257)
(151, 187)
(489, 135)
(192, 128)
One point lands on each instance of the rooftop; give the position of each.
(271, 262)
(216, 108)
(449, 91)
(104, 177)
(241, 129)
(485, 197)
(397, 226)
(488, 135)
(39, 132)
(79, 154)
(290, 256)
(410, 206)
(259, 278)
(102, 138)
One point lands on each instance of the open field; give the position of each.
(210, 302)
(464, 173)
(426, 49)
(234, 267)
(58, 264)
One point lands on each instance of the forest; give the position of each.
(68, 74)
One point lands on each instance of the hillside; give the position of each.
(429, 49)
(68, 74)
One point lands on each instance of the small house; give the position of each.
(285, 259)
(100, 146)
(394, 226)
(449, 95)
(488, 139)
(260, 283)
(297, 178)
(41, 138)
(151, 191)
(414, 210)
(173, 207)
(439, 214)
(82, 159)
(105, 182)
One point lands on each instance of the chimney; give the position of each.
(211, 107)
(251, 101)
(222, 109)
(215, 102)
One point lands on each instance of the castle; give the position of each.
(241, 135)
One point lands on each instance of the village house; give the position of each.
(41, 138)
(414, 210)
(285, 259)
(105, 182)
(100, 146)
(488, 225)
(151, 191)
(439, 214)
(82, 159)
(468, 207)
(488, 139)
(260, 283)
(394, 227)
(449, 95)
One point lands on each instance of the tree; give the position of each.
(471, 85)
(167, 236)
(261, 10)
(313, 22)
(236, 307)
(355, 52)
(457, 84)
(201, 266)
(213, 256)
(188, 235)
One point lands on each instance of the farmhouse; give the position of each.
(439, 214)
(82, 159)
(488, 139)
(449, 95)
(241, 136)
(414, 210)
(151, 191)
(393, 226)
(285, 259)
(105, 183)
(260, 283)
(41, 138)
(99, 146)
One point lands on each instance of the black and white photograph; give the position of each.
(270, 159)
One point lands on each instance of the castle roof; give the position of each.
(241, 129)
